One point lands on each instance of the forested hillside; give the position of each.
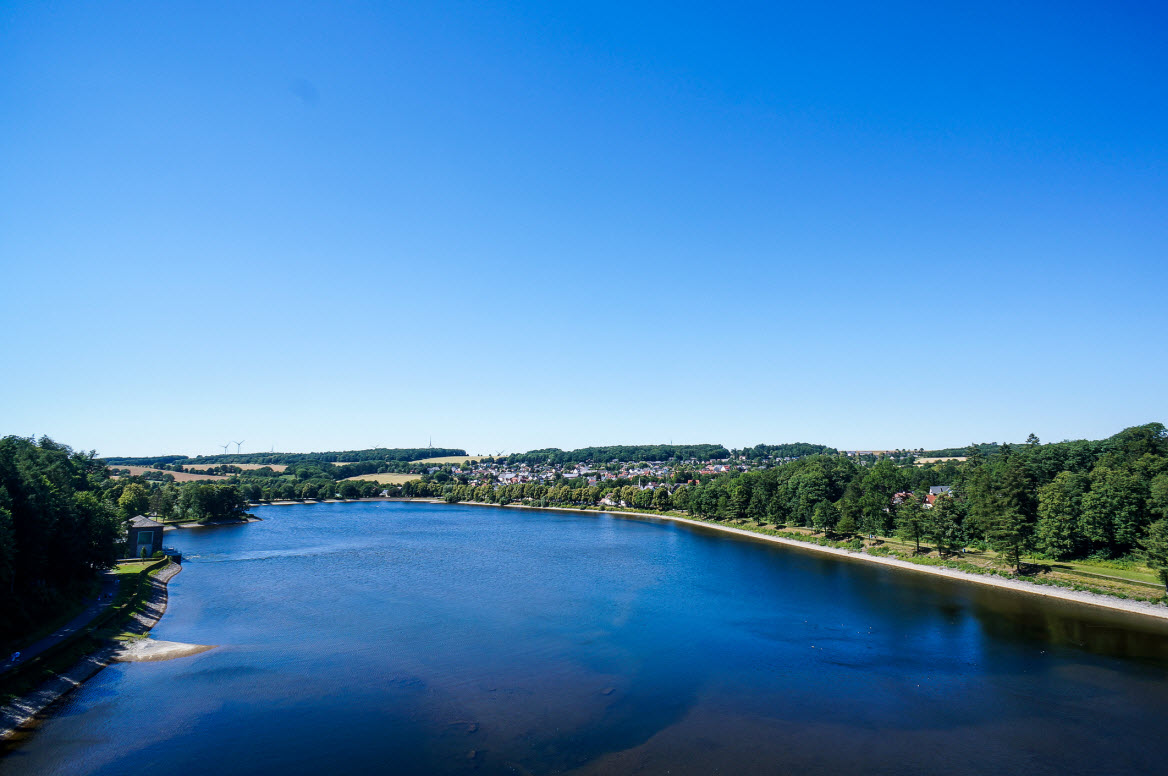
(333, 456)
(553, 455)
(788, 450)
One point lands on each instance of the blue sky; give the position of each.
(507, 226)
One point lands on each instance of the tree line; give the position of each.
(374, 454)
(1103, 499)
(788, 450)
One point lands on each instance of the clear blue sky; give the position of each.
(508, 225)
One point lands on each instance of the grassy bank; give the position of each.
(133, 591)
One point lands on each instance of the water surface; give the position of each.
(416, 638)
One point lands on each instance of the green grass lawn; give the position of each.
(1137, 574)
(125, 569)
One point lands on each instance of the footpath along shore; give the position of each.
(20, 714)
(1145, 608)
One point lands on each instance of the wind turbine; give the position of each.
(237, 444)
(225, 447)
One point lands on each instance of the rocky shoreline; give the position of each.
(21, 715)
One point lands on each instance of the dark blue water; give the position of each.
(412, 638)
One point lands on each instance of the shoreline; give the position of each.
(20, 716)
(1129, 606)
(1145, 608)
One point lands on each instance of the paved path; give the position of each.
(19, 712)
(109, 589)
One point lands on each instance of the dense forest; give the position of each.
(56, 530)
(62, 520)
(601, 455)
(789, 450)
(985, 448)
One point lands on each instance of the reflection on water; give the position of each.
(409, 638)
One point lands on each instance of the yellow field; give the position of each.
(389, 478)
(958, 458)
(247, 467)
(183, 476)
(451, 459)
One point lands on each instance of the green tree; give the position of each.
(740, 496)
(57, 529)
(1011, 529)
(1112, 517)
(163, 501)
(879, 485)
(944, 525)
(911, 523)
(7, 545)
(812, 487)
(135, 500)
(1010, 534)
(756, 510)
(661, 499)
(825, 517)
(1156, 549)
(846, 526)
(1059, 515)
(1158, 496)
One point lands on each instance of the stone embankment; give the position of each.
(20, 714)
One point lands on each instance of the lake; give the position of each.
(390, 637)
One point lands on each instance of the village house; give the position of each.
(935, 492)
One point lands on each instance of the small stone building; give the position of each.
(143, 534)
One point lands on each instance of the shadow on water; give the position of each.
(1098, 631)
(1002, 613)
(654, 701)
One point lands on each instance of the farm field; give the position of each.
(451, 459)
(178, 476)
(388, 478)
(247, 467)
